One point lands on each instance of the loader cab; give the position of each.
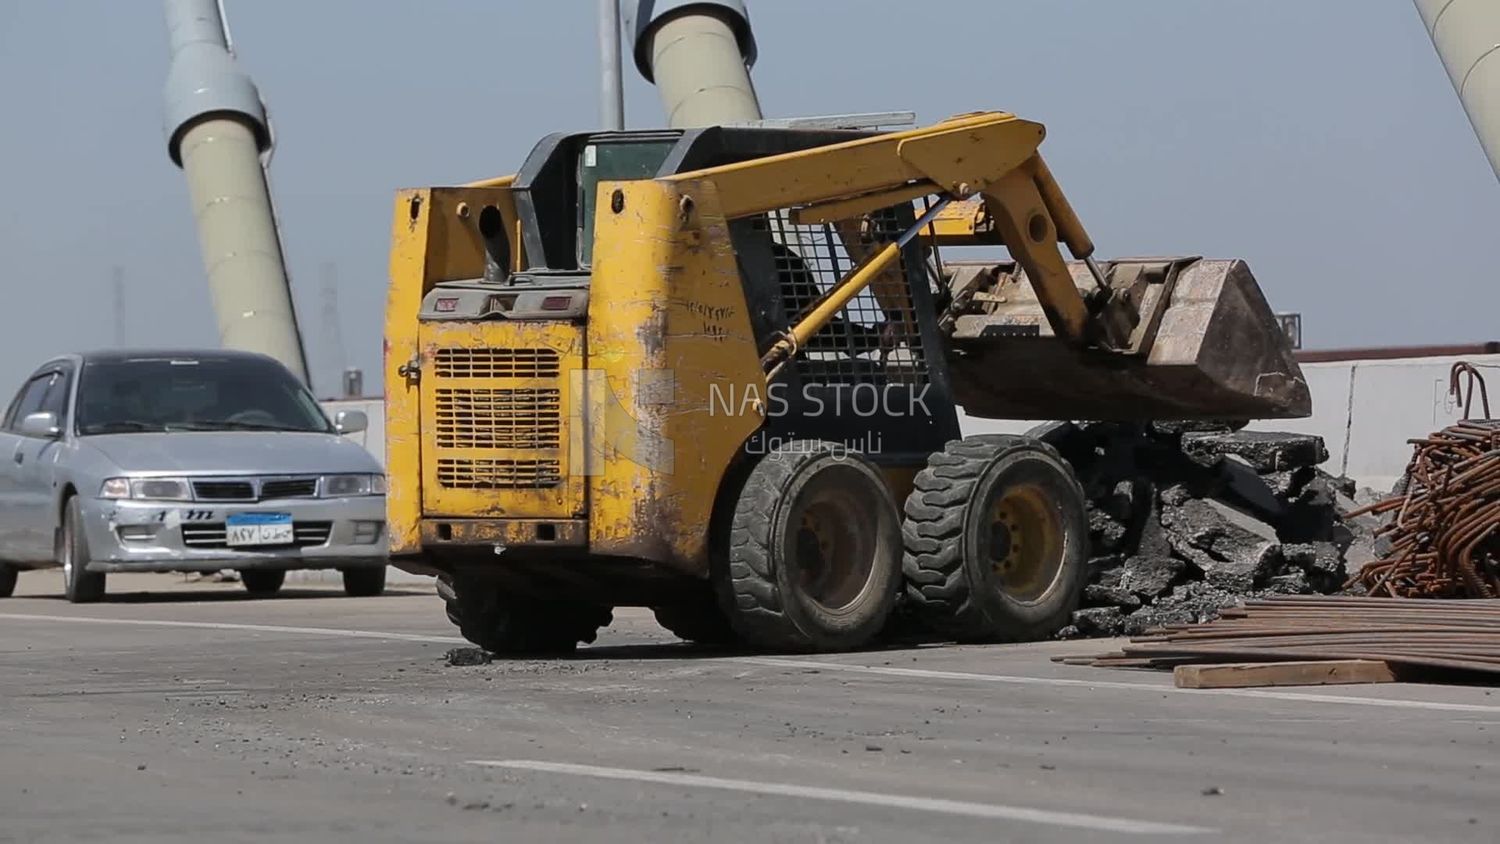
(556, 190)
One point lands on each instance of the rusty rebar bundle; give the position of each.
(1442, 635)
(1445, 531)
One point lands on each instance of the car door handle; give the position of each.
(19, 456)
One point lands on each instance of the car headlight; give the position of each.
(147, 489)
(349, 486)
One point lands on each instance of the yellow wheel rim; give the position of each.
(1025, 541)
(834, 546)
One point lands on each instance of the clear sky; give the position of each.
(1319, 139)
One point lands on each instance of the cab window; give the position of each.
(612, 161)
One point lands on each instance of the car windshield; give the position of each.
(140, 395)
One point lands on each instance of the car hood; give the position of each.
(233, 453)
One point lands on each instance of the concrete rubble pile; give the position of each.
(1188, 518)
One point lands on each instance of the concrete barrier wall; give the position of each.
(1368, 410)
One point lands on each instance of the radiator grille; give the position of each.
(290, 488)
(246, 489)
(306, 535)
(224, 490)
(497, 363)
(519, 418)
(498, 473)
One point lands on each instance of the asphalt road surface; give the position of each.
(187, 712)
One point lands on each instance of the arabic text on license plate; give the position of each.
(258, 529)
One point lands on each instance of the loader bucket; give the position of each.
(1207, 347)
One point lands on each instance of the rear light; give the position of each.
(557, 303)
(446, 305)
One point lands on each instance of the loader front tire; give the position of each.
(509, 626)
(813, 554)
(996, 535)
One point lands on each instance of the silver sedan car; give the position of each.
(184, 461)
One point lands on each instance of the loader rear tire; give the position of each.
(996, 535)
(511, 626)
(813, 554)
(699, 623)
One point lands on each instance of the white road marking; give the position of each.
(777, 662)
(924, 673)
(249, 628)
(988, 811)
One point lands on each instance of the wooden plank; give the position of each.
(1249, 674)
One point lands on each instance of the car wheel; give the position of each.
(262, 583)
(79, 585)
(364, 583)
(8, 574)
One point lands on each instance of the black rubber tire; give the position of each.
(262, 583)
(364, 583)
(950, 578)
(500, 625)
(702, 623)
(760, 573)
(8, 576)
(79, 586)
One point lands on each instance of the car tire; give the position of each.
(364, 583)
(813, 558)
(968, 573)
(80, 586)
(262, 583)
(8, 576)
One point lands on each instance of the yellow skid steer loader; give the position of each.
(717, 372)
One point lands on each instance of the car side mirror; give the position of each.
(350, 421)
(42, 425)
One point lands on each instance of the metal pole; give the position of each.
(1466, 34)
(333, 336)
(611, 78)
(119, 296)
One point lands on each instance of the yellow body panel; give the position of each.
(433, 239)
(673, 359)
(495, 404)
(966, 223)
(958, 156)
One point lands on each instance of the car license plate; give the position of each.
(258, 529)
